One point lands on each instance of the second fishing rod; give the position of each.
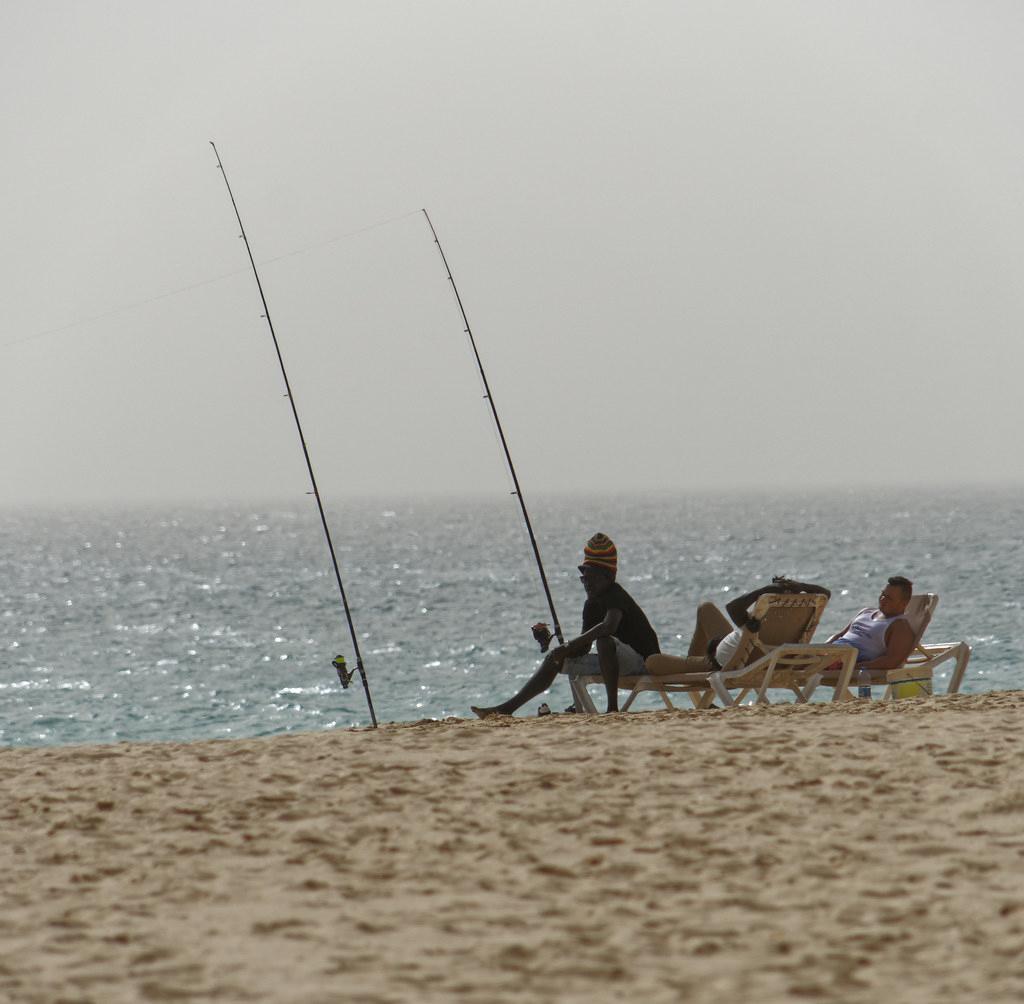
(501, 435)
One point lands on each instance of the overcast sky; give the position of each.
(701, 245)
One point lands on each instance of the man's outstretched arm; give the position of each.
(840, 633)
(602, 629)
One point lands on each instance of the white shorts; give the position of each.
(631, 662)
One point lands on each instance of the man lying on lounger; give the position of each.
(611, 618)
(716, 639)
(881, 635)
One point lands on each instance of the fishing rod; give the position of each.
(501, 435)
(344, 674)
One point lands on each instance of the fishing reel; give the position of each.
(542, 635)
(344, 673)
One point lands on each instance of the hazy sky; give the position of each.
(701, 245)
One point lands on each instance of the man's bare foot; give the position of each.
(485, 712)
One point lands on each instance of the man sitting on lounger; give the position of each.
(882, 635)
(611, 618)
(716, 639)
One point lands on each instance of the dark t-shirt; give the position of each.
(634, 629)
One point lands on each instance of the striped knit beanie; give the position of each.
(600, 551)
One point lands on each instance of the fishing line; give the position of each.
(125, 308)
(343, 237)
(489, 397)
(344, 675)
(121, 310)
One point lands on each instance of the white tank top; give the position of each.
(866, 634)
(727, 647)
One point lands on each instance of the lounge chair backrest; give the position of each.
(786, 619)
(919, 612)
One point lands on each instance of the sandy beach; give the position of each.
(864, 852)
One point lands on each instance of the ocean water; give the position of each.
(205, 622)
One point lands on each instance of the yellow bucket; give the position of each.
(912, 688)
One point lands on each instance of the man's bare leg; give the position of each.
(537, 684)
(608, 660)
(711, 623)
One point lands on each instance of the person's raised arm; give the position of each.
(737, 609)
(793, 586)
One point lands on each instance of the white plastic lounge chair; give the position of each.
(779, 655)
(914, 677)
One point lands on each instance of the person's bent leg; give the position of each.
(711, 623)
(608, 660)
(537, 684)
